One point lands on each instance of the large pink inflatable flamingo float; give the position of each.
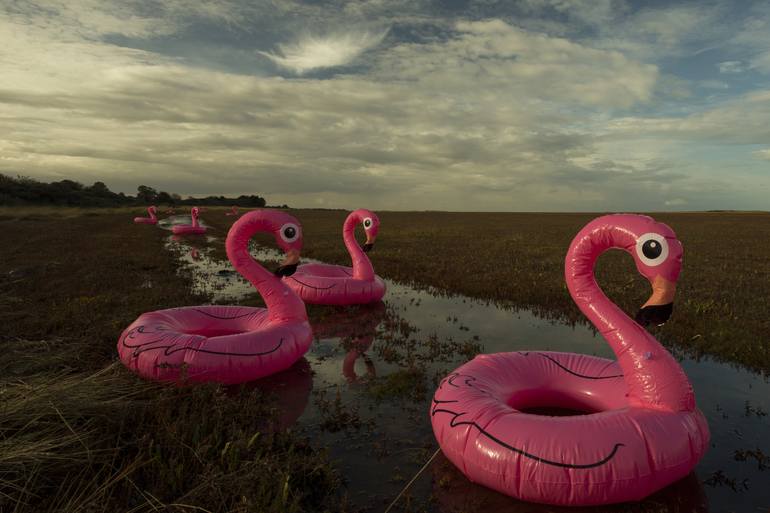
(228, 344)
(153, 219)
(642, 430)
(194, 229)
(324, 284)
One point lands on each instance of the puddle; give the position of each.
(375, 369)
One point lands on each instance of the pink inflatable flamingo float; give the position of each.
(228, 344)
(324, 284)
(190, 229)
(153, 219)
(233, 211)
(642, 430)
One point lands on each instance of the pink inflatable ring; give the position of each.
(324, 284)
(640, 430)
(190, 229)
(228, 344)
(153, 219)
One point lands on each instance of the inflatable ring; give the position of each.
(324, 284)
(190, 229)
(228, 344)
(153, 219)
(639, 430)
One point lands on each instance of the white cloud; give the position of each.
(732, 67)
(312, 52)
(762, 154)
(508, 61)
(740, 121)
(483, 116)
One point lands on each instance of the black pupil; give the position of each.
(652, 249)
(290, 232)
(367, 223)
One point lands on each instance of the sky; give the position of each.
(463, 105)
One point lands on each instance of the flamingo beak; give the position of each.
(369, 243)
(657, 310)
(289, 264)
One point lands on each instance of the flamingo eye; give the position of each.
(289, 232)
(368, 223)
(652, 249)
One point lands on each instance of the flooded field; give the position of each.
(347, 428)
(364, 388)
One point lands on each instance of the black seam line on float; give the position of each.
(131, 334)
(197, 350)
(346, 272)
(539, 459)
(221, 317)
(578, 374)
(138, 350)
(451, 379)
(311, 286)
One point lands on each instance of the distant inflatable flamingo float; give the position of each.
(642, 430)
(233, 211)
(153, 219)
(190, 229)
(228, 344)
(324, 284)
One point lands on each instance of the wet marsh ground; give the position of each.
(347, 427)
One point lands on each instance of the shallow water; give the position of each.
(375, 369)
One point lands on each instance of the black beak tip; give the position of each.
(368, 247)
(654, 314)
(286, 270)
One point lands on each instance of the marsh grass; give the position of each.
(79, 432)
(517, 260)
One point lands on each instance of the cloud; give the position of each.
(464, 115)
(732, 67)
(762, 154)
(506, 60)
(740, 121)
(312, 53)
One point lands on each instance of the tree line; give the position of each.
(23, 190)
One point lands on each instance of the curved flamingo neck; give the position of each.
(194, 216)
(151, 211)
(653, 377)
(282, 304)
(362, 267)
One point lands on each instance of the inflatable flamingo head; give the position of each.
(658, 256)
(371, 224)
(195, 211)
(657, 252)
(288, 236)
(153, 209)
